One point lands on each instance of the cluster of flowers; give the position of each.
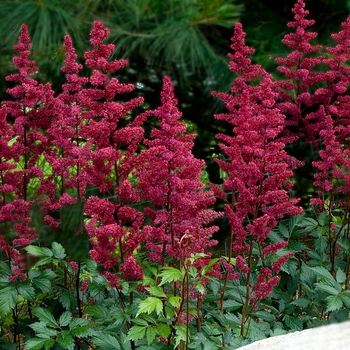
(54, 148)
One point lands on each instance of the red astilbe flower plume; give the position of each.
(336, 94)
(257, 170)
(115, 232)
(72, 151)
(32, 107)
(297, 67)
(169, 178)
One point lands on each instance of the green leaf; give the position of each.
(321, 244)
(66, 340)
(327, 288)
(266, 316)
(98, 311)
(49, 344)
(200, 288)
(323, 219)
(149, 305)
(150, 335)
(180, 334)
(140, 321)
(163, 330)
(58, 251)
(65, 318)
(46, 316)
(38, 251)
(301, 302)
(284, 230)
(8, 300)
(136, 332)
(4, 269)
(84, 331)
(156, 291)
(345, 296)
(341, 276)
(231, 305)
(43, 284)
(91, 265)
(35, 344)
(170, 274)
(26, 291)
(174, 301)
(42, 330)
(78, 322)
(325, 275)
(294, 323)
(334, 302)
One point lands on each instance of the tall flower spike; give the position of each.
(169, 178)
(257, 177)
(335, 96)
(297, 68)
(32, 107)
(112, 143)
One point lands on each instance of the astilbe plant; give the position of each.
(169, 178)
(295, 98)
(114, 226)
(30, 111)
(257, 177)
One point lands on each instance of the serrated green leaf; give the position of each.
(8, 300)
(301, 302)
(136, 332)
(293, 323)
(26, 291)
(58, 251)
(334, 302)
(4, 269)
(140, 321)
(327, 288)
(156, 291)
(180, 334)
(43, 261)
(340, 276)
(149, 305)
(65, 318)
(66, 340)
(98, 311)
(320, 244)
(43, 284)
(150, 335)
(170, 274)
(323, 219)
(78, 322)
(163, 330)
(83, 331)
(174, 301)
(106, 342)
(42, 330)
(35, 344)
(346, 299)
(91, 265)
(200, 288)
(49, 344)
(48, 273)
(325, 275)
(231, 305)
(266, 316)
(284, 230)
(309, 224)
(45, 316)
(38, 251)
